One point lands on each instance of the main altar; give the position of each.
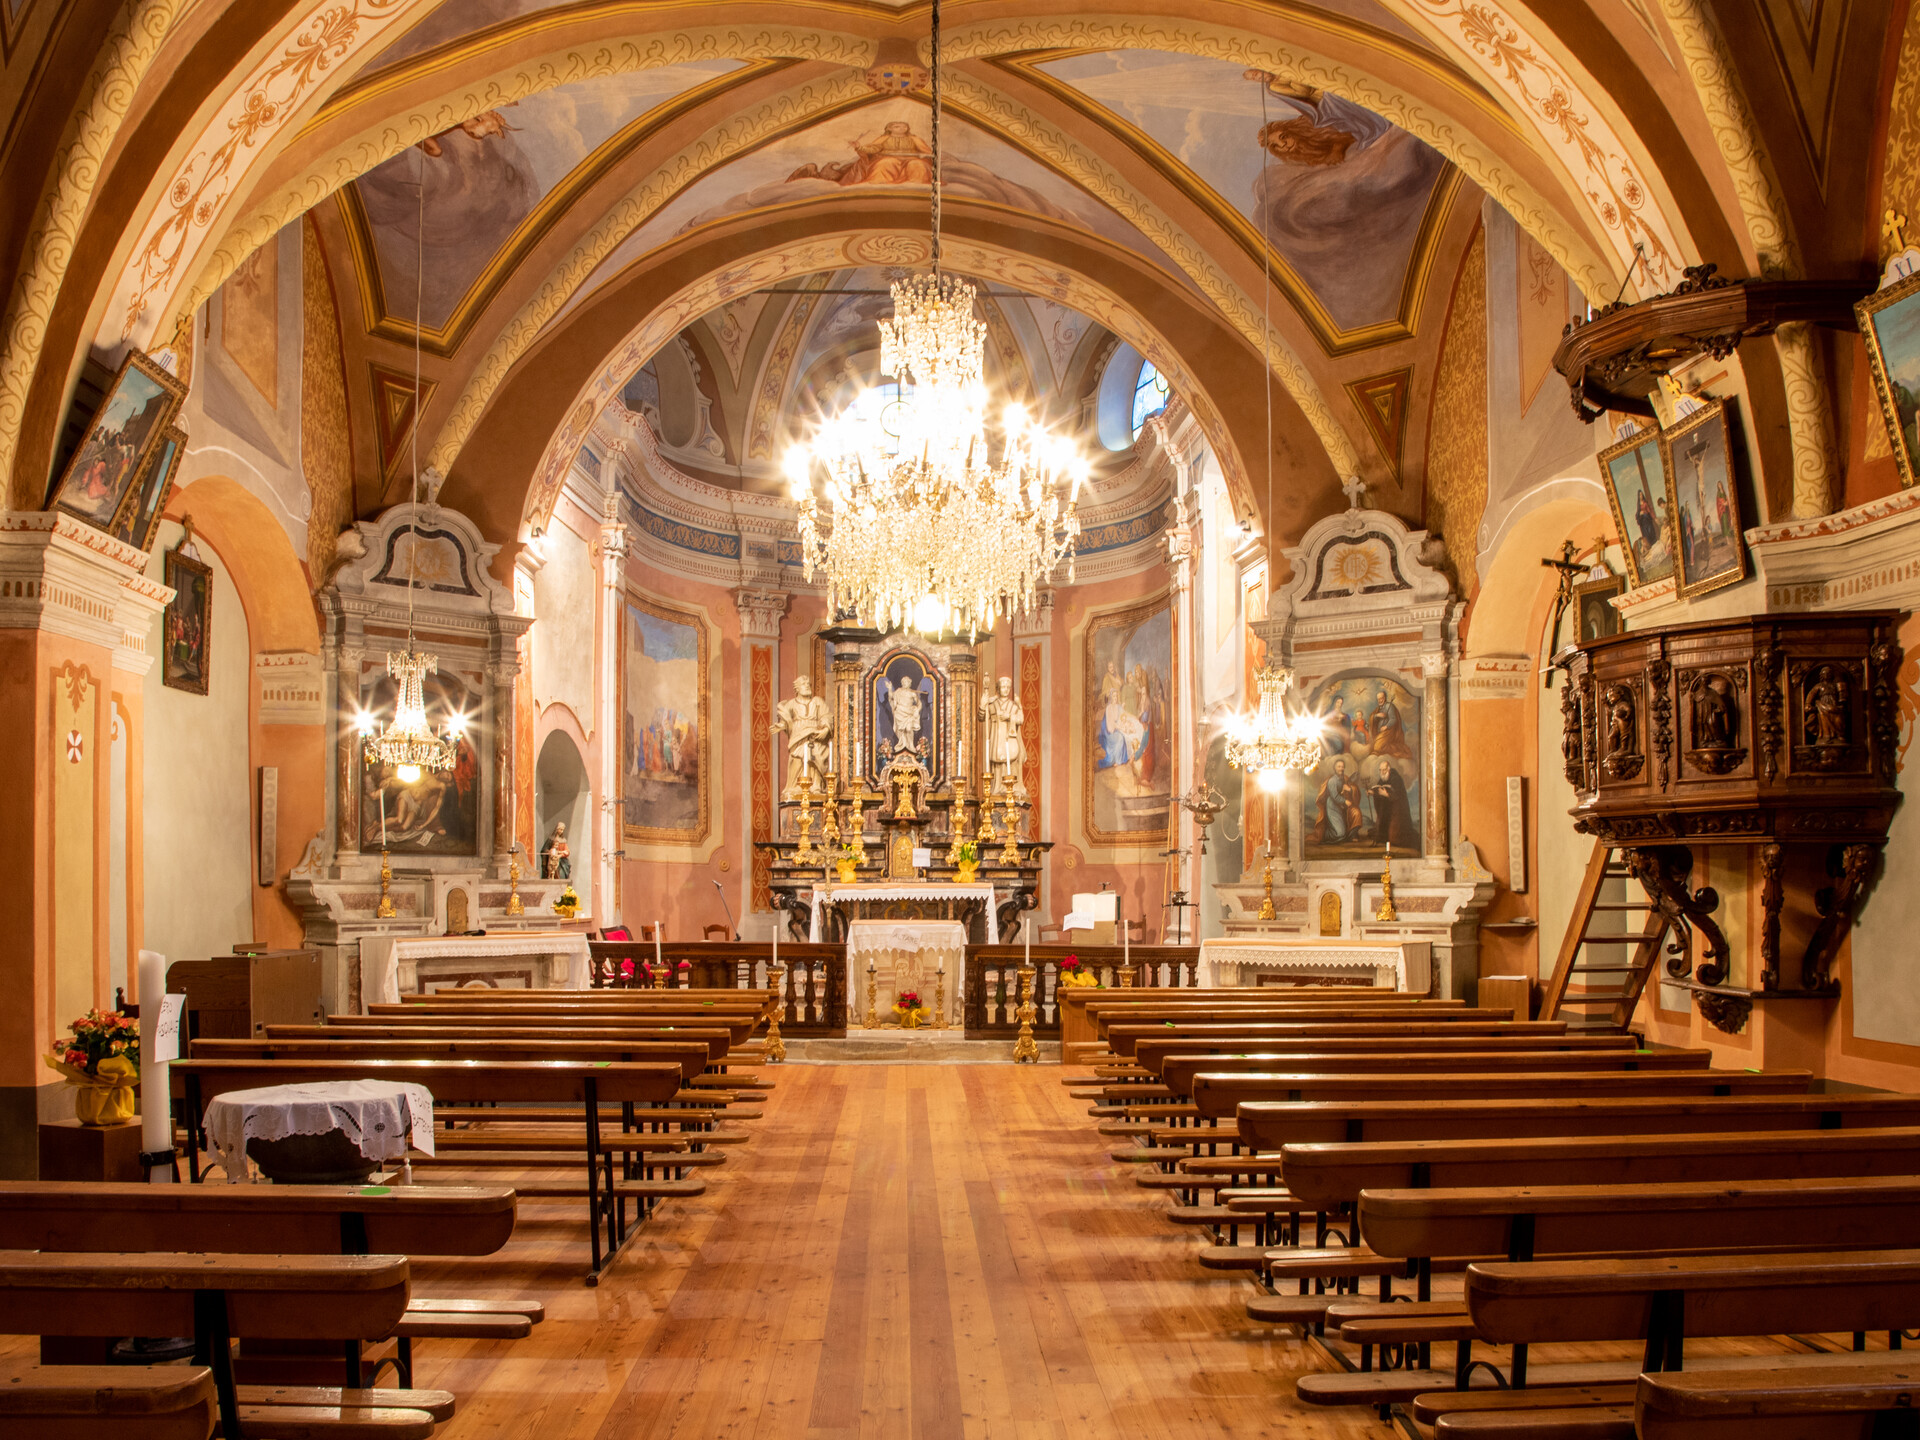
(904, 799)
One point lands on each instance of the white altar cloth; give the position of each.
(905, 955)
(1232, 960)
(380, 1117)
(825, 895)
(381, 956)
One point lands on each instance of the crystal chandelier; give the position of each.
(1274, 742)
(408, 743)
(927, 521)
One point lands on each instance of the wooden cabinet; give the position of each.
(235, 997)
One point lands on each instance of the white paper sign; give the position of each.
(1076, 921)
(166, 1035)
(922, 858)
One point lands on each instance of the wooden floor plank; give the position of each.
(908, 1251)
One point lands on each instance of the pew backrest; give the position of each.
(1217, 1095)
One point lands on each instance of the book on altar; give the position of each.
(1102, 908)
(1076, 921)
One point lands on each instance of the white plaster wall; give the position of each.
(1885, 998)
(1561, 853)
(563, 635)
(197, 806)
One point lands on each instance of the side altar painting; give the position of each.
(1128, 759)
(665, 776)
(438, 814)
(1365, 792)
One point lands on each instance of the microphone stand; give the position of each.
(728, 908)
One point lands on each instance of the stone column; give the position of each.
(1182, 565)
(963, 665)
(1435, 666)
(346, 685)
(760, 691)
(1808, 422)
(501, 674)
(848, 732)
(609, 722)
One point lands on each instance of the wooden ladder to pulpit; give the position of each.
(1601, 943)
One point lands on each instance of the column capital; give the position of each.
(1435, 664)
(760, 612)
(1037, 623)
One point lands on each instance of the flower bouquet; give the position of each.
(568, 905)
(102, 1062)
(846, 861)
(966, 863)
(1072, 972)
(911, 1012)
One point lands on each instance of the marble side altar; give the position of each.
(1405, 965)
(396, 965)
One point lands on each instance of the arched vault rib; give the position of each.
(854, 249)
(741, 133)
(395, 132)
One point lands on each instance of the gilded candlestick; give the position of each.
(1024, 1048)
(1010, 851)
(385, 911)
(1386, 911)
(515, 906)
(940, 999)
(1267, 912)
(873, 998)
(776, 1047)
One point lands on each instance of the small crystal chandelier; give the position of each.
(1271, 743)
(1274, 742)
(408, 743)
(927, 522)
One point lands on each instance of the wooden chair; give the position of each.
(717, 932)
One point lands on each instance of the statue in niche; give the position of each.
(554, 864)
(1716, 720)
(1004, 717)
(808, 721)
(903, 713)
(1824, 710)
(1623, 758)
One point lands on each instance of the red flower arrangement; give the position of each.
(101, 1035)
(1071, 963)
(909, 1000)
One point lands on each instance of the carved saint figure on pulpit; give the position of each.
(1826, 709)
(808, 721)
(903, 713)
(554, 864)
(1004, 717)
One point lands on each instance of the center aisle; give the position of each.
(929, 1251)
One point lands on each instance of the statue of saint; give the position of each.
(554, 864)
(903, 709)
(1004, 718)
(808, 721)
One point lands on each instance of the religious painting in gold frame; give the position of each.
(1709, 540)
(121, 439)
(1131, 670)
(1595, 618)
(1635, 475)
(1890, 325)
(665, 743)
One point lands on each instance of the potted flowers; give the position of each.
(847, 862)
(911, 1012)
(966, 861)
(568, 905)
(102, 1062)
(1072, 972)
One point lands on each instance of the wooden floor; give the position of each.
(914, 1251)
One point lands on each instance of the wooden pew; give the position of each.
(288, 1220)
(1218, 1096)
(1150, 1052)
(216, 1298)
(84, 1402)
(690, 1056)
(737, 1028)
(1848, 1397)
(1661, 1301)
(1179, 1072)
(1525, 1223)
(1268, 1125)
(583, 1084)
(1124, 1035)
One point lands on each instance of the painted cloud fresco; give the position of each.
(866, 149)
(1339, 192)
(450, 22)
(485, 177)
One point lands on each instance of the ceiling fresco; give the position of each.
(493, 182)
(455, 19)
(1348, 202)
(877, 146)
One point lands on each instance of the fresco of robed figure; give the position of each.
(1129, 773)
(1365, 792)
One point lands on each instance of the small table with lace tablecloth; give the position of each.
(332, 1133)
(906, 955)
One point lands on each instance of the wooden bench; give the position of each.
(630, 1027)
(288, 1220)
(1218, 1096)
(1661, 1301)
(1123, 1036)
(1846, 1398)
(1269, 1125)
(84, 1402)
(1178, 1071)
(580, 1084)
(1665, 1221)
(217, 1298)
(1151, 1052)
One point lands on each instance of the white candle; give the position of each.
(156, 1130)
(1026, 935)
(383, 817)
(657, 962)
(1126, 941)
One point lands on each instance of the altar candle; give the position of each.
(656, 942)
(383, 818)
(155, 1127)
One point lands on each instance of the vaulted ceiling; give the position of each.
(1217, 185)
